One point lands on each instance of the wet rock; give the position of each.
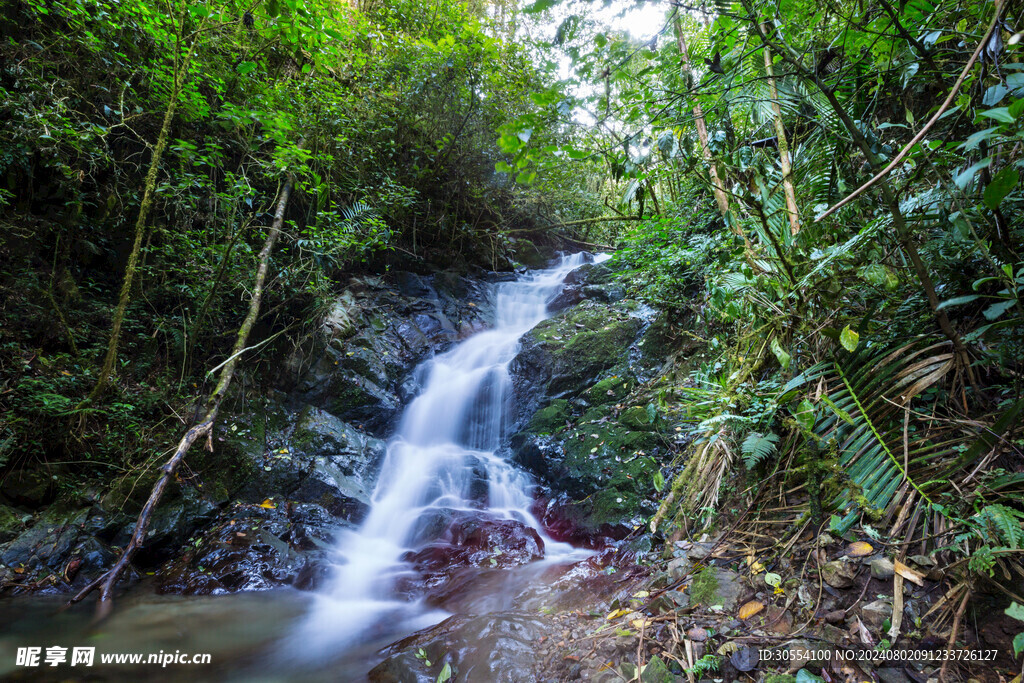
(500, 647)
(568, 297)
(377, 331)
(679, 567)
(48, 542)
(325, 461)
(30, 488)
(565, 354)
(838, 573)
(875, 613)
(477, 540)
(10, 523)
(669, 601)
(882, 568)
(253, 547)
(656, 672)
(606, 293)
(698, 551)
(718, 586)
(892, 675)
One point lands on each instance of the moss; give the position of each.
(704, 589)
(550, 419)
(638, 418)
(608, 390)
(779, 678)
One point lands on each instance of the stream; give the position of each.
(444, 499)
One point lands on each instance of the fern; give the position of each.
(757, 447)
(1001, 523)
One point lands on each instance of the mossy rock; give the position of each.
(639, 418)
(568, 352)
(717, 586)
(550, 419)
(10, 523)
(608, 390)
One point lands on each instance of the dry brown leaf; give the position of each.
(908, 573)
(859, 549)
(750, 609)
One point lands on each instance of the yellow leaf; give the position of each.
(859, 549)
(268, 504)
(641, 594)
(729, 648)
(756, 568)
(750, 609)
(639, 624)
(908, 573)
(617, 613)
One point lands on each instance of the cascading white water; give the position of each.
(447, 435)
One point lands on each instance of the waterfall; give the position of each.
(442, 457)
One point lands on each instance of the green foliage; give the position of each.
(758, 447)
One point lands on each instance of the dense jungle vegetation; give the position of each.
(825, 196)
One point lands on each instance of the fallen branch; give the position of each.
(105, 583)
(931, 122)
(599, 219)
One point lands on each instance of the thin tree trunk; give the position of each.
(105, 583)
(783, 144)
(148, 199)
(702, 130)
(903, 234)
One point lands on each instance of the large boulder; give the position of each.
(359, 364)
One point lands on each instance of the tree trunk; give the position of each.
(105, 583)
(148, 199)
(783, 144)
(903, 234)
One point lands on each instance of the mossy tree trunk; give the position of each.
(105, 583)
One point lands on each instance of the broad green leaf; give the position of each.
(964, 178)
(509, 143)
(1015, 610)
(994, 95)
(1001, 114)
(804, 415)
(780, 353)
(849, 338)
(526, 177)
(502, 167)
(772, 579)
(997, 309)
(446, 673)
(659, 482)
(957, 301)
(1017, 108)
(1002, 184)
(245, 67)
(1018, 644)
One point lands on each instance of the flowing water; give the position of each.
(443, 450)
(441, 459)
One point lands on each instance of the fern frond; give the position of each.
(757, 447)
(1005, 522)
